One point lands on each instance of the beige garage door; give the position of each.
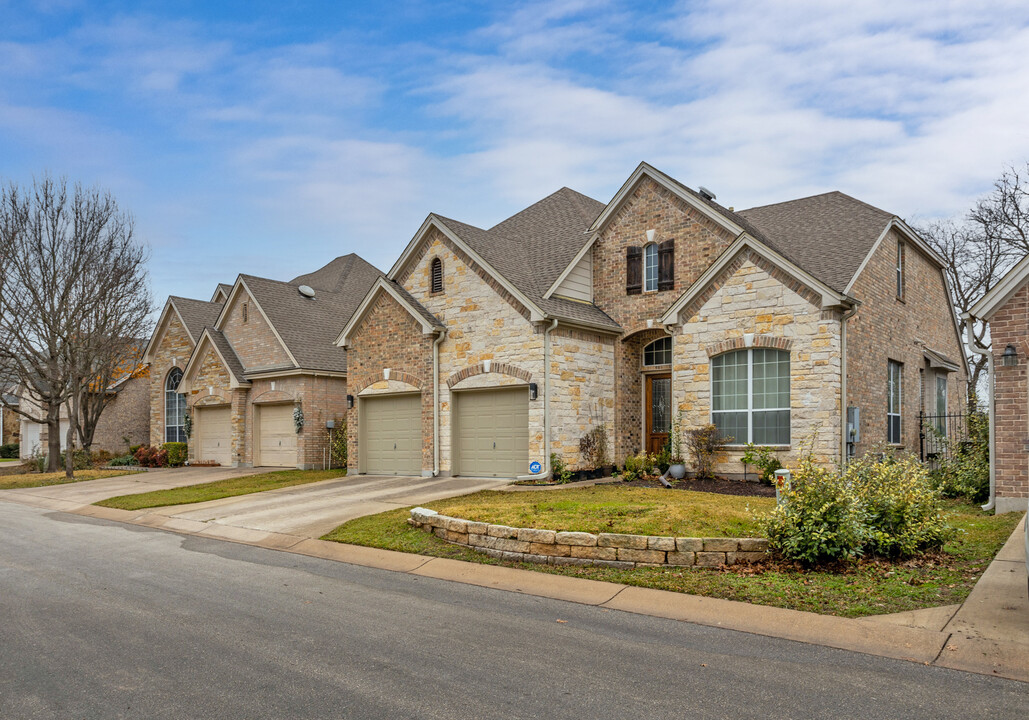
(214, 434)
(391, 434)
(492, 433)
(277, 441)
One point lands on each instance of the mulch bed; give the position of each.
(722, 486)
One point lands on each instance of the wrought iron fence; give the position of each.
(941, 436)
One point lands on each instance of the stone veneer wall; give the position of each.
(12, 426)
(1010, 326)
(887, 328)
(125, 420)
(209, 387)
(552, 547)
(173, 350)
(582, 366)
(751, 297)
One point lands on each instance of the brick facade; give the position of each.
(12, 426)
(251, 337)
(890, 328)
(125, 420)
(172, 351)
(1010, 326)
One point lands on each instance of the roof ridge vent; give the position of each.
(306, 291)
(705, 193)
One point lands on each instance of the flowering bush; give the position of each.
(148, 456)
(820, 518)
(901, 503)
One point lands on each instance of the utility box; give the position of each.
(853, 424)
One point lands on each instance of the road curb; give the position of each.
(862, 635)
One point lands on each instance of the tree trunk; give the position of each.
(53, 440)
(69, 454)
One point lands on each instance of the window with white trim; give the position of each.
(658, 352)
(941, 403)
(893, 401)
(750, 396)
(650, 267)
(174, 408)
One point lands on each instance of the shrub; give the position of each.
(148, 456)
(133, 449)
(10, 450)
(81, 460)
(123, 460)
(820, 518)
(706, 446)
(965, 472)
(901, 504)
(764, 459)
(178, 452)
(636, 466)
(100, 457)
(593, 448)
(559, 472)
(338, 447)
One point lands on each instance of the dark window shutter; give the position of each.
(666, 265)
(633, 270)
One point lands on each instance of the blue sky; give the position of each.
(268, 138)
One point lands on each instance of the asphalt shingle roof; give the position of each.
(828, 235)
(231, 359)
(196, 314)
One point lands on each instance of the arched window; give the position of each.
(650, 267)
(437, 275)
(750, 396)
(174, 408)
(658, 352)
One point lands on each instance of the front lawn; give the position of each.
(31, 480)
(231, 487)
(867, 587)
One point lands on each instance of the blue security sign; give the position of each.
(535, 468)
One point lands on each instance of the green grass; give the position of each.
(230, 487)
(9, 460)
(867, 587)
(614, 509)
(31, 480)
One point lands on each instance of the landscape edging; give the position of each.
(552, 547)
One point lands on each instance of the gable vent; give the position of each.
(705, 193)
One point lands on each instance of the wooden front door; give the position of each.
(658, 408)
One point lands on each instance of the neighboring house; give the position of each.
(241, 365)
(1006, 308)
(483, 351)
(10, 421)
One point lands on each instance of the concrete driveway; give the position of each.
(315, 509)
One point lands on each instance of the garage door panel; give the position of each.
(492, 438)
(214, 435)
(277, 441)
(391, 434)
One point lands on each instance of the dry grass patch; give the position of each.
(31, 480)
(614, 509)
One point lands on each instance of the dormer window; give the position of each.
(436, 276)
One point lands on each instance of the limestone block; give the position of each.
(516, 546)
(689, 544)
(681, 558)
(536, 536)
(751, 556)
(753, 544)
(456, 525)
(710, 559)
(439, 521)
(478, 528)
(661, 543)
(576, 538)
(616, 564)
(720, 544)
(630, 542)
(550, 549)
(530, 557)
(457, 537)
(480, 540)
(502, 531)
(644, 556)
(580, 562)
(594, 553)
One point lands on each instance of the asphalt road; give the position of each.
(101, 620)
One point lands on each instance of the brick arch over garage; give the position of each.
(366, 381)
(494, 367)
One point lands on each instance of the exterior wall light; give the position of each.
(350, 402)
(1010, 356)
(533, 391)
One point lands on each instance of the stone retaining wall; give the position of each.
(578, 548)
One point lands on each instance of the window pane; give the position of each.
(661, 405)
(772, 427)
(893, 429)
(729, 382)
(732, 425)
(771, 379)
(658, 352)
(650, 267)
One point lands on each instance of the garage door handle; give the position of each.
(394, 446)
(494, 445)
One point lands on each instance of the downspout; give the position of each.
(843, 383)
(546, 407)
(435, 402)
(976, 349)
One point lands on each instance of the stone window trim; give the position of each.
(494, 367)
(436, 286)
(758, 341)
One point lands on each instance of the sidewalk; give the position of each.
(987, 634)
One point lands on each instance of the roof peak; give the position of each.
(830, 193)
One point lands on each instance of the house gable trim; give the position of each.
(197, 357)
(381, 285)
(571, 266)
(1003, 291)
(241, 283)
(162, 327)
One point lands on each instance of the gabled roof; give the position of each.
(216, 340)
(429, 322)
(194, 315)
(221, 293)
(308, 327)
(1000, 293)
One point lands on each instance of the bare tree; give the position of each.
(980, 248)
(73, 287)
